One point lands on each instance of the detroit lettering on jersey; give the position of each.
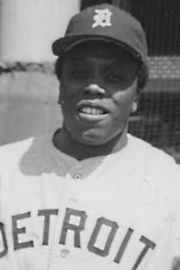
(67, 226)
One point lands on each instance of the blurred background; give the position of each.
(29, 88)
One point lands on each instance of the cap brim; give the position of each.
(62, 45)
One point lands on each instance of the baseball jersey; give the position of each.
(113, 212)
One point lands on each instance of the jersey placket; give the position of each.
(68, 200)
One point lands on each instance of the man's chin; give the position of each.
(93, 138)
(89, 141)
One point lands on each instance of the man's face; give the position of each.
(98, 89)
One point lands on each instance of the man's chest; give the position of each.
(114, 218)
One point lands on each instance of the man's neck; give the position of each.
(64, 142)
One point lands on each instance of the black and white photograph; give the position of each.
(89, 135)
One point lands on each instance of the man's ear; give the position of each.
(58, 67)
(135, 104)
(61, 99)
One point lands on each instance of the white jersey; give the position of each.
(114, 212)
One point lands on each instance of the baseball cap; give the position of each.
(109, 23)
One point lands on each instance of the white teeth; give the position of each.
(93, 111)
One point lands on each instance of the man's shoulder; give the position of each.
(157, 166)
(15, 147)
(31, 156)
(158, 169)
(144, 150)
(11, 153)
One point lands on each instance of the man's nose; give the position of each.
(95, 89)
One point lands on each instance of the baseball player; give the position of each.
(92, 196)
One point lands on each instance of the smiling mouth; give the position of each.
(92, 111)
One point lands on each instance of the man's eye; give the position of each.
(115, 77)
(79, 74)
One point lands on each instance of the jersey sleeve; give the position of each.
(176, 223)
(163, 174)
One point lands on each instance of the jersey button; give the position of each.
(77, 176)
(64, 253)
